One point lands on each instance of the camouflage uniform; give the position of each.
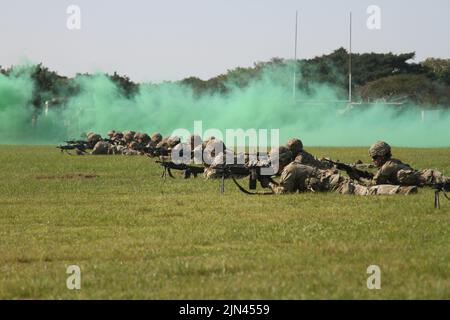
(179, 154)
(128, 136)
(155, 139)
(172, 141)
(214, 153)
(118, 139)
(118, 149)
(144, 139)
(93, 138)
(297, 177)
(393, 171)
(102, 147)
(111, 134)
(213, 147)
(196, 143)
(304, 157)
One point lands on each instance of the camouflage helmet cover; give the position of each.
(137, 135)
(94, 138)
(295, 146)
(145, 138)
(129, 132)
(380, 149)
(282, 154)
(156, 137)
(128, 135)
(173, 141)
(118, 135)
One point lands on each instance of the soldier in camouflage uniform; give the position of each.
(393, 171)
(213, 154)
(132, 149)
(189, 151)
(297, 177)
(144, 139)
(111, 134)
(155, 139)
(93, 138)
(303, 157)
(168, 143)
(128, 136)
(102, 147)
(118, 139)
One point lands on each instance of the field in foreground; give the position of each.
(135, 236)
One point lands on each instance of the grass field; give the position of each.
(135, 236)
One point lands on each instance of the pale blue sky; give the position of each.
(157, 40)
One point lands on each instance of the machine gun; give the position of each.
(188, 170)
(80, 147)
(352, 171)
(443, 187)
(253, 171)
(225, 171)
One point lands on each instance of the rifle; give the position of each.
(438, 188)
(154, 151)
(84, 142)
(352, 171)
(112, 141)
(189, 170)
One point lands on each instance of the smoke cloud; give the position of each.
(314, 115)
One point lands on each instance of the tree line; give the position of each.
(376, 76)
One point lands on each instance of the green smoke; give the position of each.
(266, 103)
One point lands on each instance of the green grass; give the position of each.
(135, 236)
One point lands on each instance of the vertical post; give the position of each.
(295, 56)
(222, 183)
(350, 64)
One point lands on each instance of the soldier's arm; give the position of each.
(287, 183)
(308, 159)
(381, 177)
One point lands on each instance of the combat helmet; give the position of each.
(137, 136)
(380, 149)
(93, 138)
(295, 146)
(111, 133)
(156, 138)
(128, 135)
(172, 141)
(282, 154)
(144, 138)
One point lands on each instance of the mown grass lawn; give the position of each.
(135, 236)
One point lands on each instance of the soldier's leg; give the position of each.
(430, 176)
(388, 189)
